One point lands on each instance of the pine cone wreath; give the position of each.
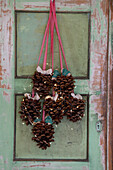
(64, 84)
(43, 134)
(54, 108)
(42, 83)
(30, 109)
(77, 109)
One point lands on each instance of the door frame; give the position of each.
(110, 94)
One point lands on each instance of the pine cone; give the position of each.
(64, 84)
(30, 110)
(42, 83)
(68, 99)
(43, 134)
(76, 111)
(54, 109)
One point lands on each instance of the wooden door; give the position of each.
(84, 28)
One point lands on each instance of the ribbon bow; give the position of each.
(49, 71)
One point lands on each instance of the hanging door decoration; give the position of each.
(52, 95)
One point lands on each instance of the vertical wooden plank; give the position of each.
(110, 94)
(99, 67)
(6, 83)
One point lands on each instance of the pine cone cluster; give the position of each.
(42, 83)
(54, 109)
(30, 110)
(64, 103)
(76, 110)
(43, 134)
(63, 84)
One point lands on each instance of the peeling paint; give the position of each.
(1, 159)
(102, 145)
(5, 45)
(85, 168)
(77, 2)
(99, 20)
(34, 6)
(34, 166)
(52, 167)
(110, 95)
(111, 10)
(7, 96)
(104, 5)
(6, 161)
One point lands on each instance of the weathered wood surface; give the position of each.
(66, 5)
(110, 92)
(99, 66)
(100, 82)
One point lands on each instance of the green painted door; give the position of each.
(83, 27)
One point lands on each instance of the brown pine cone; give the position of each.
(64, 84)
(76, 112)
(68, 100)
(43, 134)
(30, 110)
(42, 83)
(54, 109)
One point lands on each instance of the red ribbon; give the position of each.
(53, 21)
(47, 28)
(57, 30)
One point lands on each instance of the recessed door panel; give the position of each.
(71, 139)
(74, 30)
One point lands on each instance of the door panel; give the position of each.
(71, 139)
(74, 29)
(95, 87)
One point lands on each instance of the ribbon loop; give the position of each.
(44, 38)
(53, 21)
(58, 33)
